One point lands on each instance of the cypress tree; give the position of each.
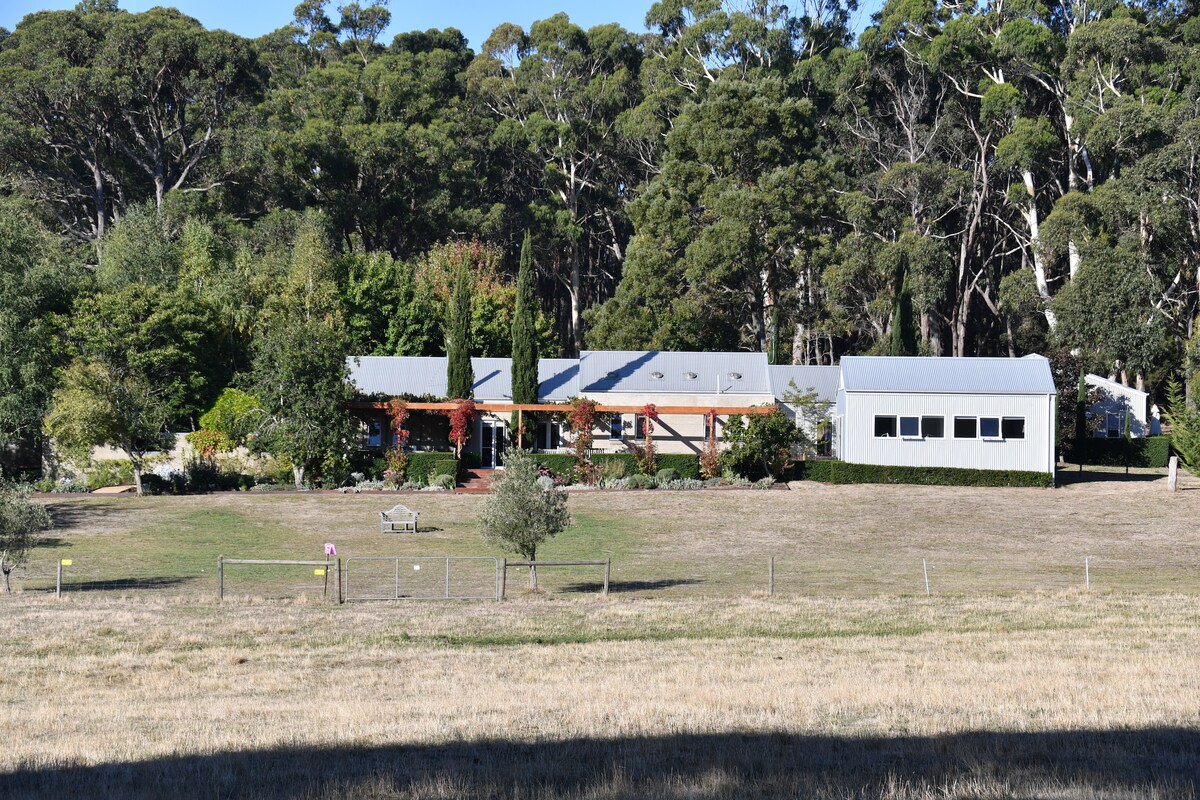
(460, 377)
(904, 329)
(524, 341)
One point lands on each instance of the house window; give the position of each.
(1012, 427)
(1115, 423)
(639, 427)
(373, 433)
(910, 427)
(933, 427)
(708, 429)
(989, 427)
(550, 435)
(964, 427)
(885, 427)
(616, 427)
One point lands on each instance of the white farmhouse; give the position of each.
(1117, 402)
(971, 413)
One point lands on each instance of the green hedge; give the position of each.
(686, 464)
(841, 472)
(1153, 451)
(421, 465)
(561, 465)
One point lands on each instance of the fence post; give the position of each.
(341, 597)
(607, 572)
(220, 577)
(447, 579)
(1087, 574)
(1173, 474)
(502, 578)
(58, 582)
(925, 569)
(771, 575)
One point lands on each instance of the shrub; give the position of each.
(546, 482)
(764, 483)
(610, 461)
(441, 481)
(840, 472)
(682, 484)
(609, 468)
(640, 481)
(109, 472)
(666, 475)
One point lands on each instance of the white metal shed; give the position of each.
(971, 413)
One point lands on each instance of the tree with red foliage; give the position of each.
(645, 454)
(581, 420)
(461, 417)
(397, 459)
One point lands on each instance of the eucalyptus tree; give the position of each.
(559, 92)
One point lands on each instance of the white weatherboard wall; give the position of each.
(1034, 453)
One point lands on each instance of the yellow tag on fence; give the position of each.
(66, 562)
(318, 572)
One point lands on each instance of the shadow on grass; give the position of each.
(1160, 762)
(588, 587)
(73, 513)
(117, 584)
(1072, 475)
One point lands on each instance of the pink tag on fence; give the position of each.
(330, 550)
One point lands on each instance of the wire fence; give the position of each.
(737, 575)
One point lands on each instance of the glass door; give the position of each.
(493, 440)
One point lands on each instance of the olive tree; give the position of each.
(21, 520)
(521, 512)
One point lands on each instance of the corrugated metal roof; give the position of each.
(426, 375)
(821, 379)
(657, 372)
(1113, 386)
(947, 375)
(395, 376)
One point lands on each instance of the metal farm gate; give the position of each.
(423, 578)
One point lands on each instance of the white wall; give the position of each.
(1121, 400)
(1034, 453)
(673, 433)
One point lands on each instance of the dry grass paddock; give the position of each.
(851, 688)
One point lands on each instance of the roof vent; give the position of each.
(612, 376)
(656, 376)
(735, 376)
(691, 376)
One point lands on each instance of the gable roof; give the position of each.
(821, 379)
(917, 374)
(1114, 388)
(658, 372)
(426, 375)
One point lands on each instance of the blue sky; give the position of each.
(475, 18)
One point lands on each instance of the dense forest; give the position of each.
(958, 179)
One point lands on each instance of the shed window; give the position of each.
(885, 427)
(964, 427)
(989, 427)
(910, 427)
(616, 427)
(933, 427)
(1114, 425)
(1012, 427)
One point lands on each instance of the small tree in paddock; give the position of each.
(521, 513)
(21, 521)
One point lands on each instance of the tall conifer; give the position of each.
(460, 377)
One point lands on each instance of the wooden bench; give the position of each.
(400, 519)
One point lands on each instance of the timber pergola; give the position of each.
(560, 408)
(503, 408)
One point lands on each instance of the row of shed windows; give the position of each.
(995, 428)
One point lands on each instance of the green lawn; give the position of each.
(827, 540)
